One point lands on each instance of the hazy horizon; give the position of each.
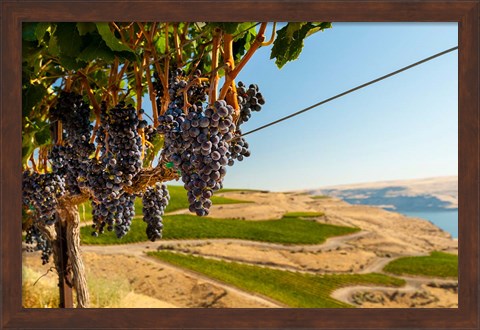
(179, 183)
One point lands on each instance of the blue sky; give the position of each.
(404, 127)
(401, 128)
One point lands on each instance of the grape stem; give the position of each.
(120, 32)
(183, 36)
(148, 143)
(97, 152)
(272, 37)
(94, 103)
(166, 94)
(212, 95)
(151, 91)
(113, 84)
(193, 82)
(139, 88)
(106, 143)
(34, 165)
(178, 50)
(162, 74)
(68, 83)
(42, 159)
(235, 71)
(142, 134)
(229, 90)
(59, 132)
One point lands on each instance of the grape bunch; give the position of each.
(113, 213)
(198, 147)
(120, 145)
(40, 192)
(178, 80)
(238, 148)
(249, 99)
(169, 124)
(35, 237)
(201, 141)
(72, 158)
(155, 200)
(123, 146)
(151, 134)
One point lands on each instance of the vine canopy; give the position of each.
(114, 61)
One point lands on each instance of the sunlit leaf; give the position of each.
(289, 41)
(112, 42)
(84, 28)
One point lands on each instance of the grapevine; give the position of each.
(86, 137)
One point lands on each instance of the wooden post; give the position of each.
(64, 274)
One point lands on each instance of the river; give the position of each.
(447, 220)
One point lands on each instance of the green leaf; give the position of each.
(43, 136)
(131, 56)
(71, 63)
(230, 28)
(28, 31)
(242, 44)
(31, 96)
(27, 147)
(109, 37)
(233, 28)
(289, 41)
(96, 49)
(159, 42)
(84, 28)
(291, 28)
(53, 46)
(30, 51)
(40, 30)
(69, 41)
(320, 27)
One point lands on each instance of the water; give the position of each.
(447, 220)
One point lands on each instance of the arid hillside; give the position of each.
(439, 193)
(380, 237)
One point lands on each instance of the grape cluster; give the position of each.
(123, 146)
(201, 141)
(198, 146)
(155, 200)
(41, 192)
(249, 99)
(35, 237)
(120, 143)
(113, 213)
(149, 130)
(238, 148)
(169, 124)
(72, 158)
(151, 134)
(178, 80)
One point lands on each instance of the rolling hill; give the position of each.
(430, 194)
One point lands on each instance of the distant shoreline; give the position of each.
(446, 219)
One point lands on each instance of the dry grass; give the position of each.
(104, 293)
(43, 294)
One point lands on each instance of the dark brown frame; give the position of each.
(467, 13)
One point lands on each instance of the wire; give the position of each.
(351, 90)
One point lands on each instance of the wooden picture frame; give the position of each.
(465, 12)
